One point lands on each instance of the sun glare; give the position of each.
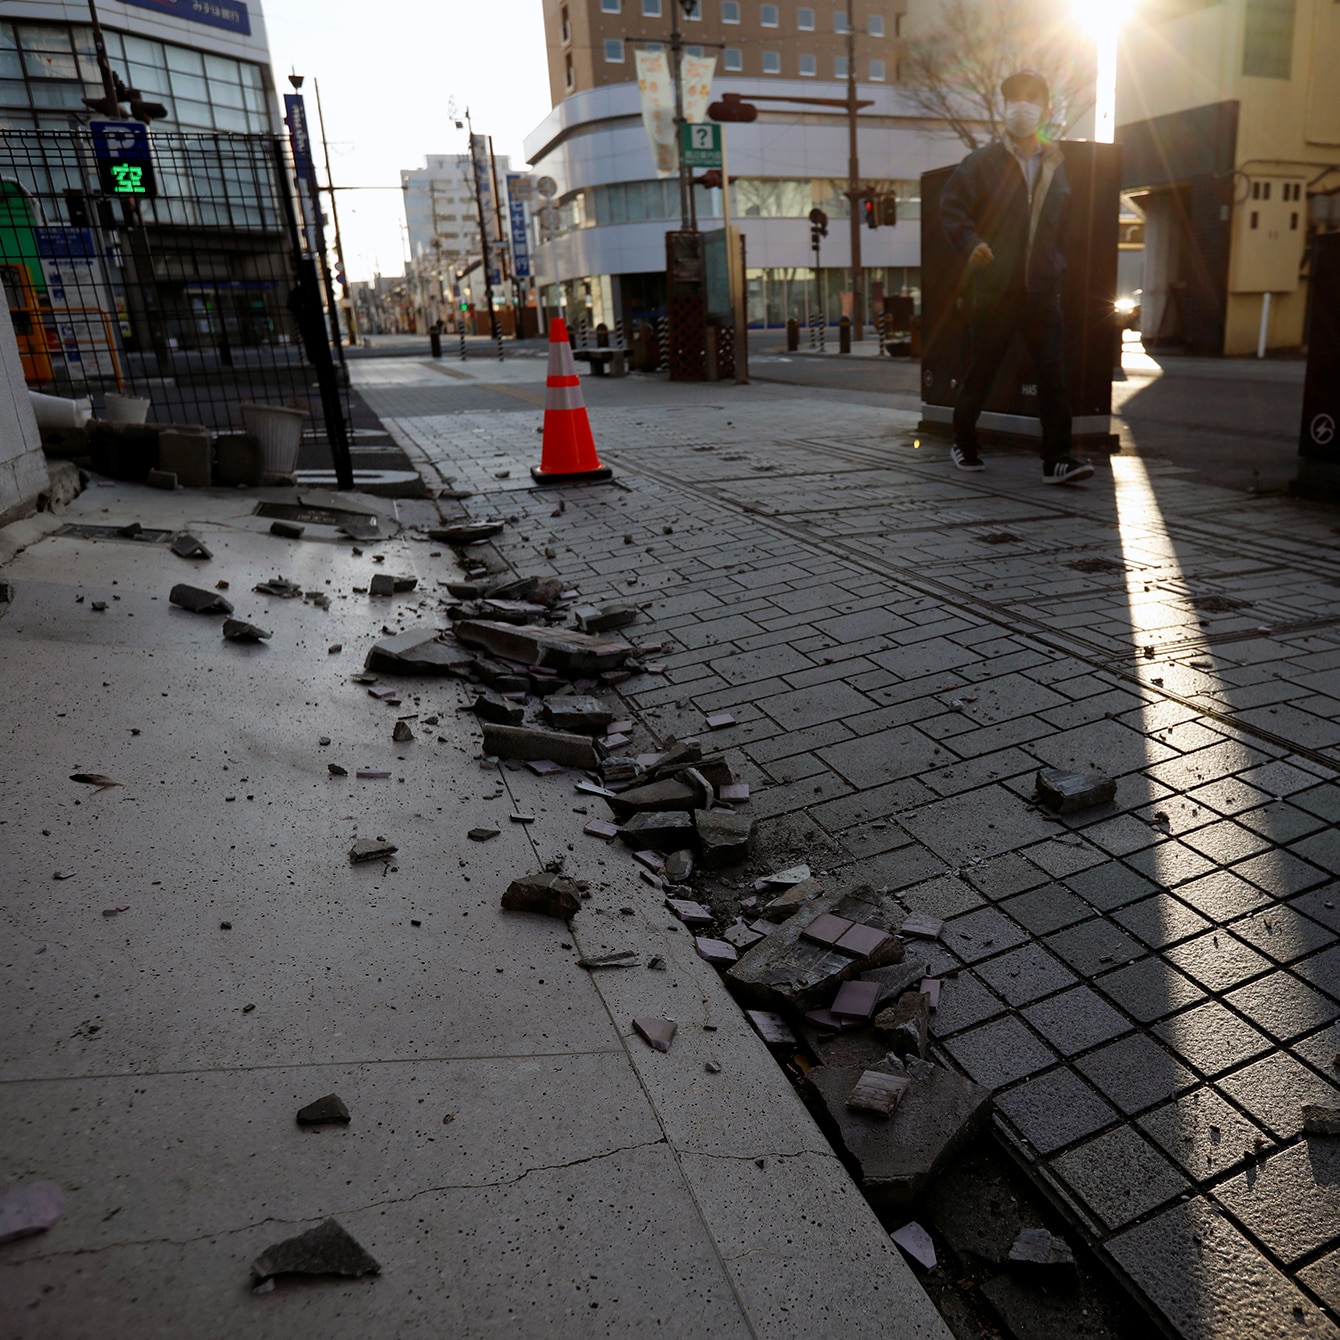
(1102, 21)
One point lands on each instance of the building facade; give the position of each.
(1229, 117)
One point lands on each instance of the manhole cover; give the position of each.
(132, 534)
(1097, 565)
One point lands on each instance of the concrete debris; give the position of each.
(483, 834)
(788, 971)
(372, 774)
(718, 720)
(905, 1025)
(198, 601)
(278, 586)
(704, 796)
(623, 958)
(520, 818)
(678, 755)
(679, 866)
(324, 1250)
(98, 606)
(919, 926)
(556, 648)
(916, 1242)
(529, 742)
(550, 895)
(690, 913)
(741, 936)
(546, 591)
(793, 899)
(670, 794)
(572, 713)
(657, 830)
(1066, 792)
(723, 839)
(417, 651)
(659, 1033)
(719, 953)
(877, 1091)
(604, 618)
(287, 530)
(849, 937)
(467, 532)
(856, 999)
(115, 911)
(898, 1156)
(772, 1028)
(161, 479)
(895, 979)
(336, 770)
(382, 584)
(187, 546)
(237, 630)
(402, 734)
(733, 793)
(1037, 1247)
(371, 849)
(930, 988)
(29, 1207)
(489, 707)
(785, 879)
(601, 828)
(97, 779)
(327, 1111)
(1320, 1119)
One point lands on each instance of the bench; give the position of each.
(604, 362)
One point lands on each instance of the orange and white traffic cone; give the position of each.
(568, 454)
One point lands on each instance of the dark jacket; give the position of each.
(986, 200)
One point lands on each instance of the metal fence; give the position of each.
(198, 297)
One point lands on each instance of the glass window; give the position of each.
(651, 9)
(221, 95)
(187, 62)
(225, 118)
(220, 67)
(805, 20)
(809, 66)
(769, 16)
(730, 11)
(839, 67)
(7, 40)
(693, 50)
(772, 62)
(876, 25)
(568, 74)
(876, 71)
(653, 46)
(733, 59)
(51, 65)
(194, 114)
(614, 50)
(43, 37)
(609, 6)
(11, 67)
(188, 86)
(137, 49)
(147, 78)
(57, 94)
(839, 20)
(696, 13)
(1267, 48)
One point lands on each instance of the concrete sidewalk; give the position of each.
(1151, 988)
(191, 957)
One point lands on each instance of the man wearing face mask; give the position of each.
(1005, 210)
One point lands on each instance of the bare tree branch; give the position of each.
(953, 70)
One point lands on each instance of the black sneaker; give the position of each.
(966, 458)
(1067, 470)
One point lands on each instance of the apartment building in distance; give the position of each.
(1228, 112)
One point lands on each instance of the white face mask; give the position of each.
(1022, 119)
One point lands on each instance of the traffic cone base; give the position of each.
(568, 454)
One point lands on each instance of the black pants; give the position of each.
(996, 319)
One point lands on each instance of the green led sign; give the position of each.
(128, 178)
(125, 164)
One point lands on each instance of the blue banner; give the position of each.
(65, 244)
(516, 210)
(295, 117)
(230, 15)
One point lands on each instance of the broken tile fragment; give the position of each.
(187, 546)
(550, 895)
(544, 767)
(198, 601)
(287, 530)
(837, 1023)
(237, 630)
(723, 839)
(772, 1028)
(325, 1250)
(930, 988)
(372, 774)
(1321, 1119)
(784, 904)
(659, 1033)
(482, 834)
(371, 849)
(29, 1207)
(623, 958)
(827, 929)
(719, 953)
(719, 719)
(916, 1242)
(856, 1000)
(905, 1024)
(741, 936)
(657, 830)
(529, 742)
(784, 879)
(601, 828)
(1036, 1246)
(572, 713)
(489, 707)
(604, 618)
(402, 734)
(1067, 792)
(922, 927)
(878, 1092)
(418, 651)
(690, 913)
(679, 866)
(327, 1111)
(862, 941)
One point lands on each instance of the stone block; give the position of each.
(906, 1024)
(1068, 792)
(573, 713)
(550, 895)
(665, 795)
(557, 648)
(487, 707)
(792, 900)
(723, 839)
(186, 451)
(604, 618)
(417, 651)
(198, 600)
(529, 742)
(657, 830)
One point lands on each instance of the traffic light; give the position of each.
(870, 211)
(888, 210)
(711, 179)
(109, 107)
(819, 222)
(732, 107)
(144, 111)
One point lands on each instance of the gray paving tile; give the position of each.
(1055, 1109)
(1323, 970)
(749, 667)
(1004, 875)
(1226, 842)
(1136, 1073)
(1061, 856)
(1274, 1089)
(1283, 1006)
(1047, 909)
(1218, 960)
(1076, 1020)
(1283, 933)
(1025, 974)
(1110, 885)
(1161, 920)
(1322, 1051)
(964, 1001)
(1230, 795)
(1322, 905)
(1322, 1277)
(1222, 895)
(1203, 1133)
(1149, 989)
(944, 897)
(1210, 1282)
(1281, 873)
(1119, 1176)
(1093, 946)
(1170, 863)
(981, 933)
(1000, 1052)
(799, 708)
(1291, 1201)
(1323, 801)
(872, 805)
(1281, 822)
(1212, 1038)
(869, 760)
(978, 825)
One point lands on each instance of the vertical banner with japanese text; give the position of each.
(658, 101)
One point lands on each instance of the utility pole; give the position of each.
(688, 221)
(853, 178)
(335, 217)
(483, 235)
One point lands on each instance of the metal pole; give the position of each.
(335, 217)
(483, 236)
(734, 274)
(686, 222)
(104, 65)
(853, 177)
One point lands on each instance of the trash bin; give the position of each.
(435, 341)
(279, 431)
(792, 335)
